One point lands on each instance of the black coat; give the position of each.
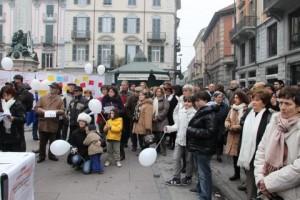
(220, 118)
(202, 131)
(77, 105)
(76, 140)
(116, 102)
(173, 103)
(25, 97)
(16, 137)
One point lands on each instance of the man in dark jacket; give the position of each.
(23, 94)
(78, 105)
(202, 141)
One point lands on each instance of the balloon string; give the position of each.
(161, 139)
(103, 117)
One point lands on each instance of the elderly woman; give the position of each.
(11, 122)
(160, 114)
(277, 163)
(254, 126)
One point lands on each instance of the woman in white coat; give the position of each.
(277, 161)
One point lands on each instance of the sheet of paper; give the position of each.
(50, 114)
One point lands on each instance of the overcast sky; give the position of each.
(195, 15)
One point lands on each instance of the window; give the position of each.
(252, 74)
(131, 25)
(82, 2)
(156, 2)
(106, 24)
(131, 51)
(80, 53)
(242, 76)
(81, 26)
(156, 25)
(252, 50)
(1, 33)
(50, 10)
(272, 70)
(1, 10)
(156, 54)
(251, 83)
(106, 55)
(47, 60)
(49, 34)
(107, 2)
(242, 50)
(131, 2)
(294, 23)
(272, 40)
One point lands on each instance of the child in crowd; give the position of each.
(113, 129)
(185, 114)
(95, 150)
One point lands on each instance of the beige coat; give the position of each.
(232, 123)
(145, 118)
(286, 181)
(92, 140)
(49, 102)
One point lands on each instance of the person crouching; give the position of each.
(95, 150)
(113, 129)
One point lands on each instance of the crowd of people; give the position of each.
(259, 127)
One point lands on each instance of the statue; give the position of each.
(22, 45)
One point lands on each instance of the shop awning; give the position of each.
(133, 77)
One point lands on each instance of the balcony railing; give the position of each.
(48, 42)
(156, 37)
(81, 35)
(50, 17)
(246, 24)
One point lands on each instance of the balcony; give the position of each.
(50, 17)
(276, 8)
(48, 42)
(244, 29)
(81, 35)
(156, 37)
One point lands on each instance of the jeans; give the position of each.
(204, 175)
(113, 150)
(179, 153)
(96, 165)
(85, 165)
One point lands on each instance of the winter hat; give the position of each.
(84, 117)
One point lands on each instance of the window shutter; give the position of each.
(162, 54)
(99, 54)
(74, 23)
(1, 10)
(1, 32)
(75, 1)
(49, 10)
(74, 53)
(137, 25)
(88, 24)
(149, 54)
(100, 24)
(126, 52)
(125, 25)
(112, 56)
(113, 24)
(87, 53)
(137, 48)
(49, 34)
(51, 60)
(43, 60)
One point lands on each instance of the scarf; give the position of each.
(248, 146)
(6, 105)
(155, 107)
(240, 110)
(170, 97)
(276, 153)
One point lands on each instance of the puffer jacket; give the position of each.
(115, 131)
(202, 131)
(77, 105)
(285, 182)
(92, 140)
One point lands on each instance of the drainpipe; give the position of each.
(57, 32)
(234, 47)
(94, 33)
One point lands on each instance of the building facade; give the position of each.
(110, 32)
(267, 39)
(199, 65)
(44, 19)
(219, 59)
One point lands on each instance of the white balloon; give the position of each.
(45, 85)
(148, 157)
(7, 63)
(88, 68)
(59, 147)
(35, 84)
(95, 106)
(101, 69)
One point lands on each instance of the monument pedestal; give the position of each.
(25, 65)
